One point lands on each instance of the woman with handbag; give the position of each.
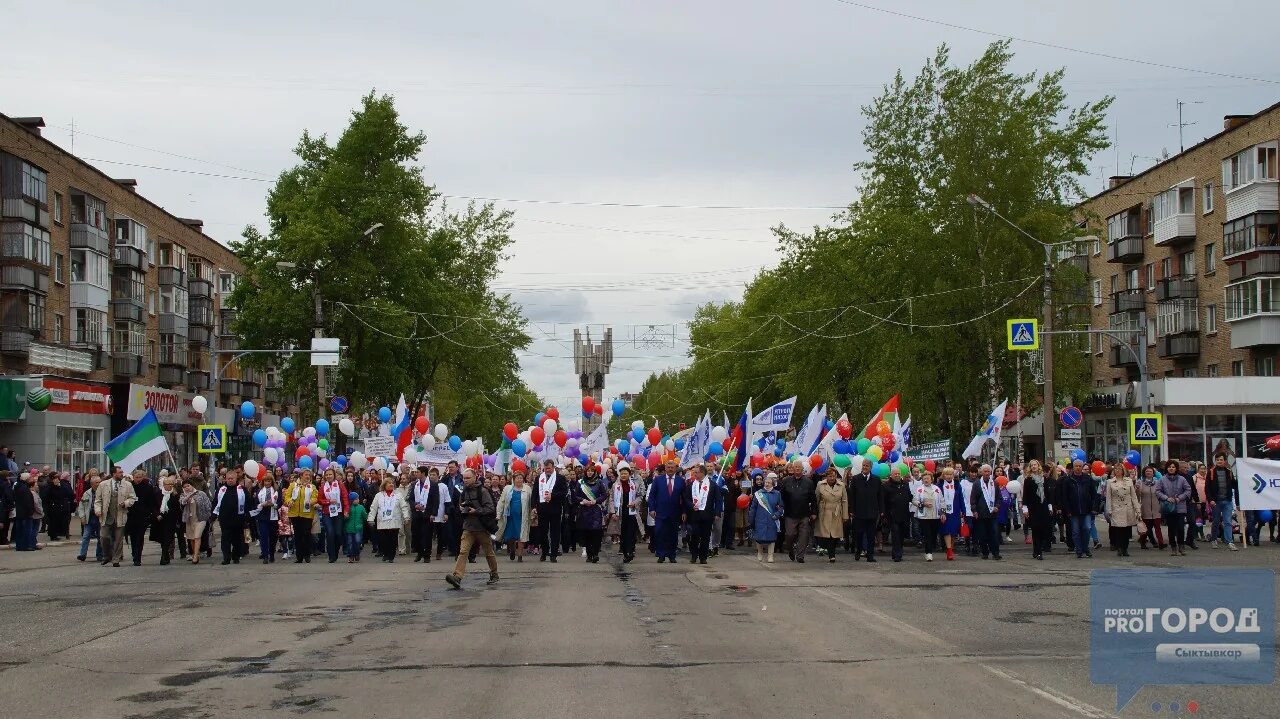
(1123, 509)
(1150, 506)
(513, 515)
(763, 515)
(1173, 491)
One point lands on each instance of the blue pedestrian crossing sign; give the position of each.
(1146, 429)
(1024, 334)
(213, 438)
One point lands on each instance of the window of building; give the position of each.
(1210, 258)
(1097, 293)
(76, 449)
(173, 300)
(1097, 247)
(1131, 279)
(1176, 316)
(128, 286)
(151, 351)
(1248, 232)
(129, 338)
(1174, 201)
(1115, 283)
(226, 282)
(1265, 366)
(35, 311)
(1149, 211)
(1207, 197)
(173, 255)
(1151, 275)
(35, 183)
(1210, 319)
(1211, 371)
(59, 327)
(88, 210)
(1237, 368)
(24, 241)
(57, 207)
(151, 250)
(89, 266)
(88, 326)
(1166, 267)
(1187, 264)
(1253, 164)
(151, 303)
(131, 233)
(59, 275)
(1190, 372)
(173, 348)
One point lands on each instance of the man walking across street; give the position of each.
(111, 504)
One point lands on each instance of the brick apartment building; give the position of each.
(111, 303)
(1190, 247)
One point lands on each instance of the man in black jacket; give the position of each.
(424, 503)
(703, 498)
(453, 478)
(549, 492)
(800, 508)
(25, 528)
(141, 514)
(897, 510)
(230, 507)
(479, 520)
(984, 502)
(866, 502)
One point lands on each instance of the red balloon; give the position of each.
(262, 471)
(815, 461)
(654, 461)
(600, 410)
(930, 465)
(887, 443)
(553, 413)
(518, 465)
(743, 501)
(510, 430)
(655, 436)
(1273, 442)
(844, 428)
(421, 424)
(1099, 468)
(302, 452)
(588, 405)
(538, 435)
(560, 438)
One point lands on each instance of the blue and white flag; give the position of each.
(902, 432)
(695, 445)
(989, 431)
(773, 419)
(810, 433)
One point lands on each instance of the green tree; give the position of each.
(411, 302)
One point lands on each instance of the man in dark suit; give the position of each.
(453, 478)
(549, 492)
(866, 502)
(705, 501)
(667, 507)
(984, 502)
(424, 501)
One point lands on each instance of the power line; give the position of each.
(1055, 46)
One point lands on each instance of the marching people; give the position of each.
(89, 525)
(587, 496)
(702, 501)
(1078, 497)
(866, 503)
(266, 513)
(1223, 496)
(230, 508)
(475, 506)
(1150, 513)
(140, 514)
(405, 537)
(27, 514)
(551, 491)
(897, 512)
(1038, 504)
(197, 508)
(952, 510)
(927, 499)
(626, 508)
(164, 530)
(388, 513)
(763, 515)
(800, 508)
(833, 512)
(1173, 491)
(302, 500)
(58, 497)
(425, 504)
(667, 508)
(1123, 509)
(514, 507)
(983, 506)
(354, 527)
(112, 506)
(334, 508)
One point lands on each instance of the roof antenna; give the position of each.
(1182, 147)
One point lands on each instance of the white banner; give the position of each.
(931, 450)
(811, 431)
(597, 441)
(380, 447)
(439, 456)
(1259, 482)
(695, 445)
(773, 419)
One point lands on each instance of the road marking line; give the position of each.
(1061, 700)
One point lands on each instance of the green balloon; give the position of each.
(902, 468)
(863, 444)
(841, 460)
(323, 444)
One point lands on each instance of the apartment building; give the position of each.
(1188, 249)
(111, 303)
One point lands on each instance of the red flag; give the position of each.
(887, 413)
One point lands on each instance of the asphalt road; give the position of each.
(734, 638)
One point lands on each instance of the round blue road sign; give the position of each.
(1071, 417)
(339, 404)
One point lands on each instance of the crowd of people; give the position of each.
(564, 509)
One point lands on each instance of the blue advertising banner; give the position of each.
(1176, 626)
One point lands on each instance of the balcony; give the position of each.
(90, 237)
(168, 375)
(1128, 301)
(1175, 229)
(1126, 250)
(127, 257)
(16, 340)
(198, 336)
(199, 288)
(1258, 196)
(171, 323)
(26, 278)
(272, 395)
(128, 309)
(229, 343)
(1263, 261)
(127, 364)
(200, 312)
(1179, 346)
(1178, 287)
(1120, 356)
(229, 387)
(172, 276)
(198, 380)
(226, 318)
(250, 390)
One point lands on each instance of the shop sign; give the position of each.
(79, 397)
(170, 407)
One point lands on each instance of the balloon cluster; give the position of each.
(544, 430)
(313, 446)
(879, 447)
(650, 448)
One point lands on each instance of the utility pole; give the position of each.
(319, 332)
(1049, 408)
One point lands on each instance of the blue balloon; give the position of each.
(826, 463)
(680, 444)
(1078, 454)
(782, 444)
(715, 448)
(247, 410)
(518, 447)
(841, 446)
(760, 443)
(829, 424)
(322, 427)
(455, 443)
(287, 425)
(637, 435)
(259, 437)
(624, 447)
(778, 450)
(384, 414)
(1265, 515)
(1133, 457)
(619, 407)
(664, 439)
(538, 419)
(305, 462)
(894, 456)
(342, 460)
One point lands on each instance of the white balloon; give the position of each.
(718, 434)
(270, 455)
(468, 447)
(358, 460)
(251, 468)
(309, 432)
(550, 426)
(1014, 487)
(379, 463)
(572, 424)
(670, 445)
(199, 404)
(347, 427)
(320, 453)
(428, 442)
(571, 442)
(410, 455)
(441, 432)
(638, 425)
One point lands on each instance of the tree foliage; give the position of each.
(411, 302)
(907, 291)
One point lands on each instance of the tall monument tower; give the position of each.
(591, 363)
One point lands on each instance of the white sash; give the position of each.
(618, 503)
(387, 507)
(545, 486)
(306, 499)
(333, 491)
(222, 491)
(700, 489)
(949, 497)
(421, 491)
(265, 495)
(989, 493)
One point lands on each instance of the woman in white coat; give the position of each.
(513, 515)
(388, 513)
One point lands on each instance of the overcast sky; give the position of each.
(743, 103)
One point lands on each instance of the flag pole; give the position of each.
(169, 453)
